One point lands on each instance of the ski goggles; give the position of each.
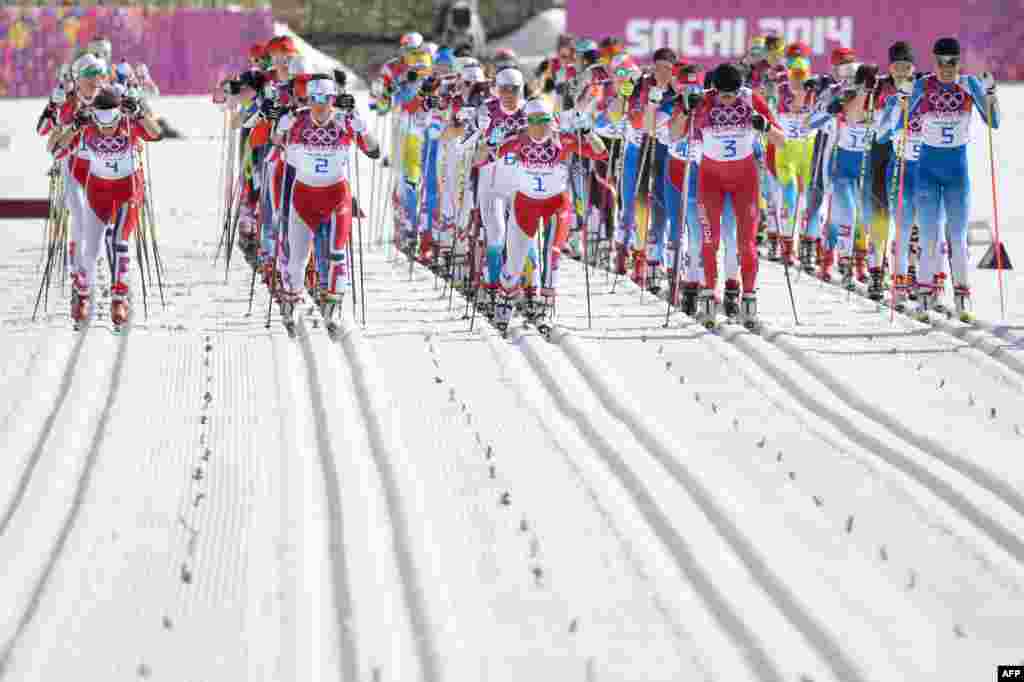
(320, 98)
(106, 117)
(539, 119)
(947, 60)
(730, 93)
(91, 72)
(623, 72)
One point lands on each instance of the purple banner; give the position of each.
(186, 49)
(712, 31)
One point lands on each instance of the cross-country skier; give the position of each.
(945, 101)
(727, 123)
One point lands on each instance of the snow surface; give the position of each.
(205, 499)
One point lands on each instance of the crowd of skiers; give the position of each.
(496, 173)
(493, 173)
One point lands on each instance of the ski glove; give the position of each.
(835, 106)
(988, 81)
(345, 102)
(759, 122)
(655, 94)
(693, 100)
(58, 96)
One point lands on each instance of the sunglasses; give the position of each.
(106, 117)
(320, 99)
(622, 73)
(91, 72)
(947, 60)
(538, 120)
(508, 88)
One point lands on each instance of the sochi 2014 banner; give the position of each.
(184, 48)
(713, 31)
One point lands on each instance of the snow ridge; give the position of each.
(80, 490)
(389, 452)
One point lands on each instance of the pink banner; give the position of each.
(185, 49)
(710, 32)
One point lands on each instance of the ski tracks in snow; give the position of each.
(43, 511)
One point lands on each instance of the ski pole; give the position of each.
(362, 262)
(995, 207)
(581, 221)
(683, 206)
(901, 172)
(785, 261)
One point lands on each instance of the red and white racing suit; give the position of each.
(729, 168)
(107, 169)
(541, 177)
(321, 195)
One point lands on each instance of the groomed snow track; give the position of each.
(206, 498)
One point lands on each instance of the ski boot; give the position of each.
(426, 249)
(487, 304)
(620, 259)
(925, 302)
(707, 308)
(330, 310)
(901, 287)
(762, 227)
(860, 266)
(807, 253)
(654, 277)
(773, 246)
(286, 304)
(639, 276)
(731, 302)
(503, 314)
(119, 312)
(876, 287)
(541, 318)
(691, 292)
(79, 309)
(748, 311)
(828, 257)
(787, 251)
(962, 298)
(940, 291)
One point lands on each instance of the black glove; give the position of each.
(345, 102)
(431, 102)
(340, 77)
(49, 113)
(549, 85)
(867, 76)
(427, 86)
(541, 68)
(759, 122)
(412, 76)
(835, 106)
(130, 106)
(693, 100)
(811, 85)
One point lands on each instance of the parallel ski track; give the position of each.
(759, 657)
(412, 589)
(985, 336)
(81, 485)
(902, 439)
(44, 434)
(383, 449)
(342, 595)
(684, 551)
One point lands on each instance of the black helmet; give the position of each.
(946, 47)
(727, 78)
(107, 99)
(901, 52)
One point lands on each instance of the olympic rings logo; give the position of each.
(729, 116)
(946, 100)
(539, 154)
(327, 136)
(109, 145)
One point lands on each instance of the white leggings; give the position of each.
(94, 235)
